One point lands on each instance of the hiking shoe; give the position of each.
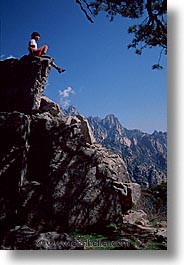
(61, 70)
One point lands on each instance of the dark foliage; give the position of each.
(150, 32)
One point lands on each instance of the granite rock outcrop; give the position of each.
(53, 176)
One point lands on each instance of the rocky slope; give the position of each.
(144, 154)
(53, 177)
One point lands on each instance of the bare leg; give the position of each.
(44, 49)
(60, 70)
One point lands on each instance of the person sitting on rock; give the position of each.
(35, 51)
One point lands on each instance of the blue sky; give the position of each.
(102, 76)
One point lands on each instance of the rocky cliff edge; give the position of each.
(53, 176)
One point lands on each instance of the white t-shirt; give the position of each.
(32, 43)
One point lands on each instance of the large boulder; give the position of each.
(52, 174)
(78, 180)
(82, 184)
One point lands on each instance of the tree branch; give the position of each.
(84, 10)
(149, 10)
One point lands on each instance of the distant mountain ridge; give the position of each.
(144, 154)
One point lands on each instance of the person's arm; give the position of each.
(31, 48)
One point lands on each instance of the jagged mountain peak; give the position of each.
(141, 151)
(110, 117)
(111, 120)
